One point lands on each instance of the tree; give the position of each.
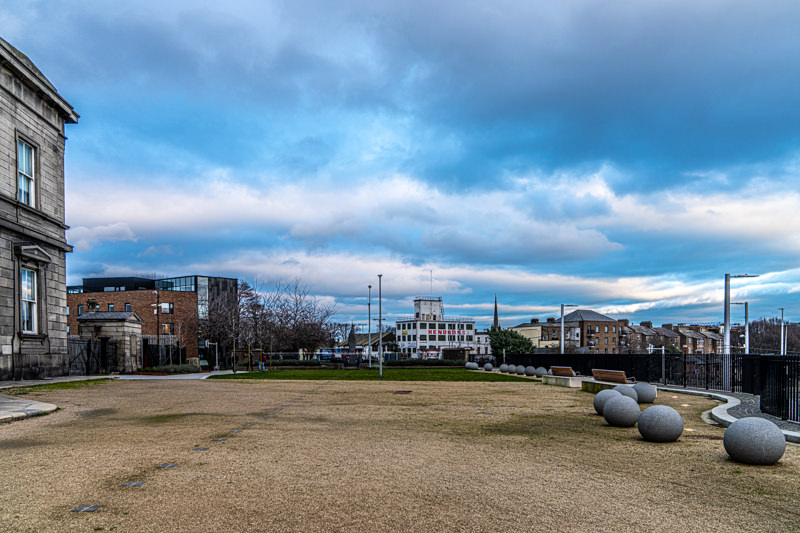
(511, 341)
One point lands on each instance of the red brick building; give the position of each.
(599, 334)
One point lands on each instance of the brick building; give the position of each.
(33, 333)
(182, 303)
(599, 334)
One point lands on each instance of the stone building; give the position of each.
(120, 329)
(33, 332)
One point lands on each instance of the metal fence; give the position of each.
(775, 378)
(91, 356)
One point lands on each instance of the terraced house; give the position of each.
(33, 327)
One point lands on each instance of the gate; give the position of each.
(92, 356)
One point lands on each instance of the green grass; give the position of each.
(389, 374)
(67, 385)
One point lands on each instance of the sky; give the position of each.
(622, 156)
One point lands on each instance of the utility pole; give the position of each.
(380, 327)
(782, 338)
(562, 324)
(369, 325)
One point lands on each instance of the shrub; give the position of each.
(425, 362)
(173, 369)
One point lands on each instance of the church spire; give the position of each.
(496, 323)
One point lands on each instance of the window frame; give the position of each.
(29, 306)
(33, 190)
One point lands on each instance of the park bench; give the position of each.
(563, 371)
(614, 376)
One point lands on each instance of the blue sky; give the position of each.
(623, 156)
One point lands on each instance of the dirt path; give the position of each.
(357, 456)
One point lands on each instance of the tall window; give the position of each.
(127, 307)
(25, 160)
(28, 285)
(167, 329)
(110, 307)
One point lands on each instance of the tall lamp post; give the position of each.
(369, 325)
(746, 325)
(562, 324)
(380, 327)
(783, 341)
(158, 325)
(726, 347)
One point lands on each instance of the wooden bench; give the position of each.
(563, 371)
(614, 376)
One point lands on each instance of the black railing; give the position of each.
(775, 378)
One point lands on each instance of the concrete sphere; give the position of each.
(627, 390)
(550, 372)
(621, 411)
(541, 371)
(530, 371)
(488, 367)
(468, 365)
(754, 441)
(602, 397)
(660, 423)
(504, 368)
(647, 393)
(472, 366)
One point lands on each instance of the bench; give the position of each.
(563, 371)
(614, 376)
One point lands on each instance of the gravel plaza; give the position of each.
(235, 455)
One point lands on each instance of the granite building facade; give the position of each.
(33, 244)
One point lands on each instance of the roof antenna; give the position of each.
(431, 283)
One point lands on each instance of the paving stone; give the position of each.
(167, 465)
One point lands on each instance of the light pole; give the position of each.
(726, 347)
(746, 325)
(380, 327)
(562, 325)
(158, 326)
(782, 339)
(369, 325)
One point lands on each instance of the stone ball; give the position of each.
(541, 371)
(660, 423)
(646, 393)
(530, 371)
(602, 397)
(621, 411)
(468, 365)
(520, 370)
(627, 390)
(754, 441)
(472, 365)
(488, 367)
(550, 372)
(504, 368)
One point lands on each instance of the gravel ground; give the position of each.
(357, 456)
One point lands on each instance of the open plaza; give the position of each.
(332, 455)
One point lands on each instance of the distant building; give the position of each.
(33, 332)
(547, 335)
(429, 330)
(181, 303)
(599, 334)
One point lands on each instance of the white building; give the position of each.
(429, 330)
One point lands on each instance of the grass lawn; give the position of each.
(389, 374)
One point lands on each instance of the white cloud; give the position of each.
(83, 238)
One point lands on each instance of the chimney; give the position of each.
(666, 326)
(551, 320)
(646, 324)
(534, 320)
(625, 322)
(91, 304)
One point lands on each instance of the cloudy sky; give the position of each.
(619, 155)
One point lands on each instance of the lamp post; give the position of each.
(782, 338)
(746, 325)
(369, 325)
(726, 347)
(158, 325)
(562, 325)
(380, 327)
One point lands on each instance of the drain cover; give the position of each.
(199, 449)
(402, 392)
(219, 438)
(86, 508)
(168, 465)
(133, 484)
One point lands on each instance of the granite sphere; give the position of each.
(488, 367)
(504, 368)
(754, 441)
(621, 411)
(541, 371)
(530, 371)
(646, 393)
(627, 390)
(660, 423)
(602, 397)
(520, 370)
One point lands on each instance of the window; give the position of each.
(597, 329)
(110, 307)
(423, 325)
(613, 340)
(28, 287)
(167, 329)
(441, 326)
(423, 337)
(442, 337)
(127, 307)
(80, 310)
(167, 308)
(25, 167)
(469, 326)
(606, 342)
(613, 329)
(67, 310)
(469, 338)
(606, 331)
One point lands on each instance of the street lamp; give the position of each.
(380, 327)
(369, 325)
(726, 347)
(782, 338)
(746, 325)
(562, 324)
(158, 326)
